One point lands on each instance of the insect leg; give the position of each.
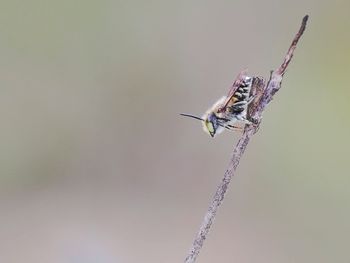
(250, 100)
(231, 127)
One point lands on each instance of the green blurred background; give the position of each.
(97, 166)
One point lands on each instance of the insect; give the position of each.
(228, 110)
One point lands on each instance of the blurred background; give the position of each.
(97, 165)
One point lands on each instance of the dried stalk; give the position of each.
(263, 96)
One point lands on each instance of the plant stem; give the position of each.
(263, 96)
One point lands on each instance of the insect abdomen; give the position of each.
(240, 98)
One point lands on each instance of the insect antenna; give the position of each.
(191, 116)
(228, 127)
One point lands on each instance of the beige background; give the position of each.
(96, 164)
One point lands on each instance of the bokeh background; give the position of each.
(97, 166)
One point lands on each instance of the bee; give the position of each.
(228, 110)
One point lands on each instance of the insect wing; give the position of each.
(233, 89)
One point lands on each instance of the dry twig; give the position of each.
(263, 96)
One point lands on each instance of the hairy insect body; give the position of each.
(228, 110)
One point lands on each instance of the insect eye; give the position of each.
(212, 118)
